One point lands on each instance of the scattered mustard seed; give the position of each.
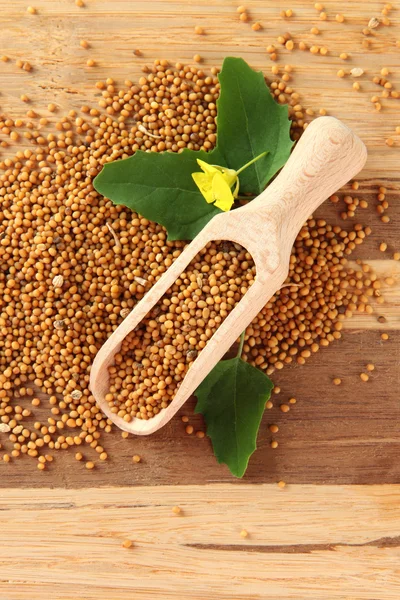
(136, 458)
(127, 544)
(244, 533)
(89, 465)
(337, 381)
(31, 10)
(284, 408)
(189, 429)
(281, 484)
(84, 44)
(176, 510)
(364, 377)
(198, 30)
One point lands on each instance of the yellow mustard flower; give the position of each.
(216, 183)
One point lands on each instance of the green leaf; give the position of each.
(249, 122)
(160, 187)
(232, 400)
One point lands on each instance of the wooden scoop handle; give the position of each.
(326, 157)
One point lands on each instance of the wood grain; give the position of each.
(304, 543)
(344, 434)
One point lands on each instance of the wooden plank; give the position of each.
(345, 434)
(334, 434)
(304, 543)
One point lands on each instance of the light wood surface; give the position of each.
(326, 157)
(339, 541)
(304, 543)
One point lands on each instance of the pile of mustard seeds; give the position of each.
(73, 265)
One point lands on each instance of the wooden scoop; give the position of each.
(326, 157)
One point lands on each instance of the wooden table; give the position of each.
(324, 536)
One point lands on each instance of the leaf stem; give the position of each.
(251, 162)
(241, 343)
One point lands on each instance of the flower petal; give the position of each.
(204, 183)
(222, 192)
(206, 167)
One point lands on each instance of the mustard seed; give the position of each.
(256, 26)
(31, 10)
(281, 484)
(84, 44)
(244, 533)
(189, 429)
(274, 444)
(90, 62)
(127, 544)
(198, 30)
(89, 465)
(370, 367)
(337, 381)
(197, 58)
(176, 510)
(136, 458)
